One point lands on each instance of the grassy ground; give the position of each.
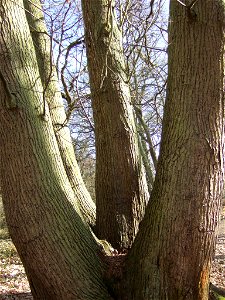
(3, 228)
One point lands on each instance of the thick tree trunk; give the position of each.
(121, 189)
(172, 254)
(52, 96)
(56, 247)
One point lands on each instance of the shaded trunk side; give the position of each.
(42, 212)
(172, 254)
(121, 189)
(52, 96)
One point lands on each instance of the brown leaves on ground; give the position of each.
(13, 280)
(217, 276)
(14, 284)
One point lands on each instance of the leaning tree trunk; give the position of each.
(52, 96)
(56, 247)
(121, 189)
(172, 254)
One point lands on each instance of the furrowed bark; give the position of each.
(55, 245)
(121, 189)
(172, 254)
(52, 96)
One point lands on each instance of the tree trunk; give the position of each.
(56, 247)
(52, 96)
(172, 254)
(121, 189)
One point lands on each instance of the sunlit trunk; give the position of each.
(121, 189)
(52, 95)
(42, 211)
(172, 254)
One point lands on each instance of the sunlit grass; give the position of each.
(4, 234)
(7, 249)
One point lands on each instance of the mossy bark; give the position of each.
(172, 253)
(52, 96)
(121, 189)
(42, 211)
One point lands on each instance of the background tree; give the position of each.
(143, 29)
(144, 41)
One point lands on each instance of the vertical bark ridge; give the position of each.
(53, 97)
(121, 189)
(172, 254)
(42, 211)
